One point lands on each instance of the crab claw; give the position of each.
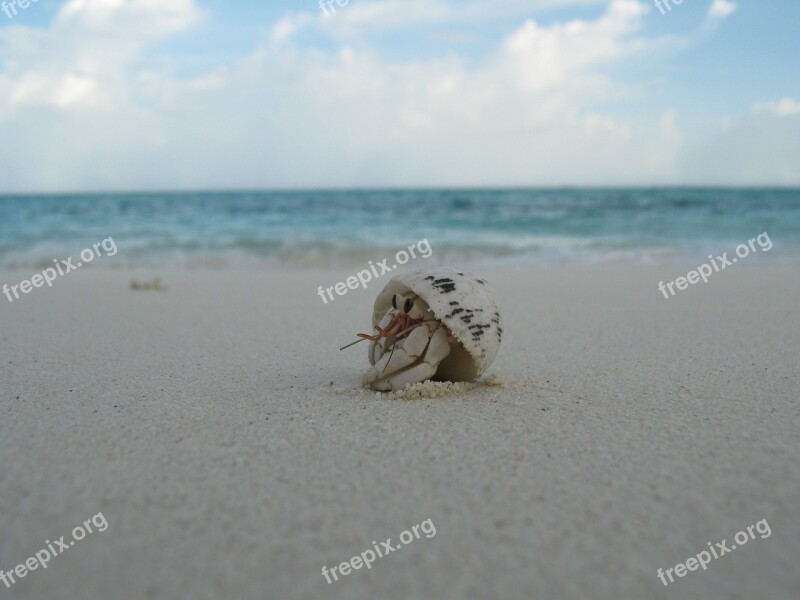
(408, 360)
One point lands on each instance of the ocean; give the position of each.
(327, 228)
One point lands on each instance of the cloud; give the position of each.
(787, 107)
(720, 9)
(755, 150)
(92, 103)
(544, 56)
(89, 55)
(343, 118)
(377, 15)
(140, 18)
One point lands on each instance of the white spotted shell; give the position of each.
(465, 304)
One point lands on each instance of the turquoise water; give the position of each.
(321, 228)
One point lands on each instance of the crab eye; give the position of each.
(394, 301)
(408, 306)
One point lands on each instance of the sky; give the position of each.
(101, 95)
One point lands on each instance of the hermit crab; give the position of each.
(432, 324)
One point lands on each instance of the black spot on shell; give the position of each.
(444, 285)
(454, 303)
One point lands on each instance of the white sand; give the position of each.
(226, 440)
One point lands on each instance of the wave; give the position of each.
(313, 228)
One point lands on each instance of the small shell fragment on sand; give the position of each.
(154, 285)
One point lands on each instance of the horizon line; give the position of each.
(422, 188)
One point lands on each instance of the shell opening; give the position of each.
(457, 366)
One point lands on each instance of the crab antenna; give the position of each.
(352, 344)
(388, 361)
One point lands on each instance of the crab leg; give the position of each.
(374, 338)
(400, 336)
(398, 324)
(410, 366)
(415, 358)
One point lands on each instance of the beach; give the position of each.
(234, 453)
(591, 352)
